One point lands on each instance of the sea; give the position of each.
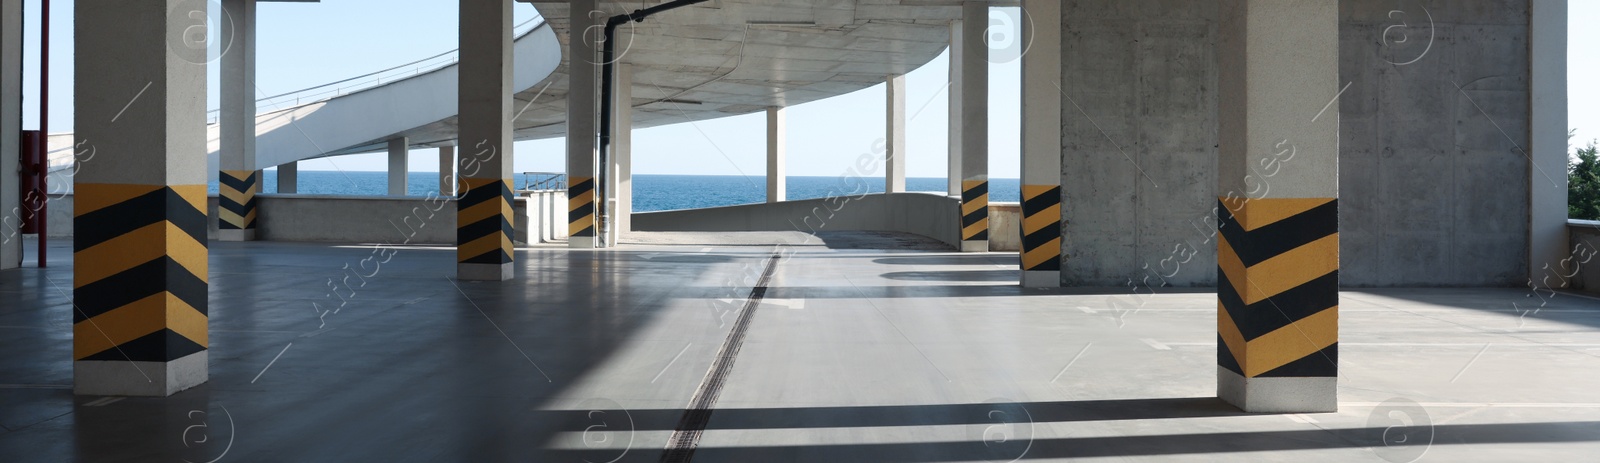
(650, 192)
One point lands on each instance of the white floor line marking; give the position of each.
(669, 364)
(269, 364)
(1301, 418)
(705, 250)
(1481, 405)
(1069, 364)
(1156, 345)
(1470, 362)
(1086, 309)
(792, 304)
(104, 401)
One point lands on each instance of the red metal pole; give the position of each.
(44, 126)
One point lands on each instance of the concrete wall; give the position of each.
(931, 215)
(1584, 245)
(1139, 136)
(1433, 180)
(1005, 227)
(361, 219)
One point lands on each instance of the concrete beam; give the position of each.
(1041, 145)
(777, 160)
(1278, 132)
(10, 134)
(955, 95)
(894, 127)
(974, 127)
(1547, 190)
(399, 154)
(289, 178)
(582, 123)
(447, 170)
(139, 332)
(484, 220)
(238, 181)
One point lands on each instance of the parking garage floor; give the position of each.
(852, 347)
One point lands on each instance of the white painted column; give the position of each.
(239, 182)
(1547, 193)
(289, 178)
(622, 147)
(1041, 146)
(894, 126)
(485, 224)
(974, 127)
(1278, 223)
(10, 134)
(954, 95)
(447, 170)
(149, 173)
(582, 123)
(399, 151)
(777, 162)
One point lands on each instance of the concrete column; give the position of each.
(484, 221)
(399, 152)
(894, 127)
(10, 134)
(447, 170)
(1041, 145)
(622, 147)
(1547, 195)
(289, 178)
(582, 123)
(974, 128)
(238, 183)
(954, 94)
(777, 162)
(1278, 222)
(139, 283)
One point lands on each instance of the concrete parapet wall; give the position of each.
(931, 215)
(1584, 245)
(1005, 227)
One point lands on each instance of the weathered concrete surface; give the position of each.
(1139, 135)
(1005, 226)
(1433, 169)
(933, 216)
(1584, 245)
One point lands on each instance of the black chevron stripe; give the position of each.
(580, 188)
(1040, 238)
(497, 256)
(1267, 315)
(1279, 237)
(1041, 201)
(472, 231)
(981, 235)
(137, 283)
(237, 184)
(119, 219)
(972, 194)
(486, 192)
(1225, 357)
(580, 212)
(161, 346)
(1321, 364)
(976, 216)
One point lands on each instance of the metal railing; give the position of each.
(543, 181)
(331, 90)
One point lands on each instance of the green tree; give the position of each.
(1583, 184)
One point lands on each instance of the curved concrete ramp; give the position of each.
(931, 215)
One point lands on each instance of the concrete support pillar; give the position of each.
(1041, 145)
(447, 170)
(10, 134)
(289, 178)
(622, 149)
(894, 127)
(777, 162)
(399, 152)
(1547, 195)
(954, 94)
(484, 221)
(1278, 221)
(238, 182)
(974, 127)
(582, 123)
(139, 283)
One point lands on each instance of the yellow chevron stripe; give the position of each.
(484, 210)
(1229, 332)
(1043, 253)
(486, 244)
(241, 197)
(1256, 213)
(475, 182)
(983, 224)
(1032, 191)
(90, 197)
(137, 319)
(580, 200)
(230, 217)
(1050, 216)
(582, 223)
(1290, 269)
(1228, 261)
(119, 254)
(972, 206)
(195, 195)
(1294, 342)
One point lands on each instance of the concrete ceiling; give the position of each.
(729, 57)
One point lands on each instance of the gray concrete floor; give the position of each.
(854, 354)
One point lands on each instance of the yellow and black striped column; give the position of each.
(236, 204)
(485, 231)
(580, 208)
(975, 215)
(1041, 235)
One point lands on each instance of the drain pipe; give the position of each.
(607, 51)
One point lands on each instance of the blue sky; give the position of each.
(306, 44)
